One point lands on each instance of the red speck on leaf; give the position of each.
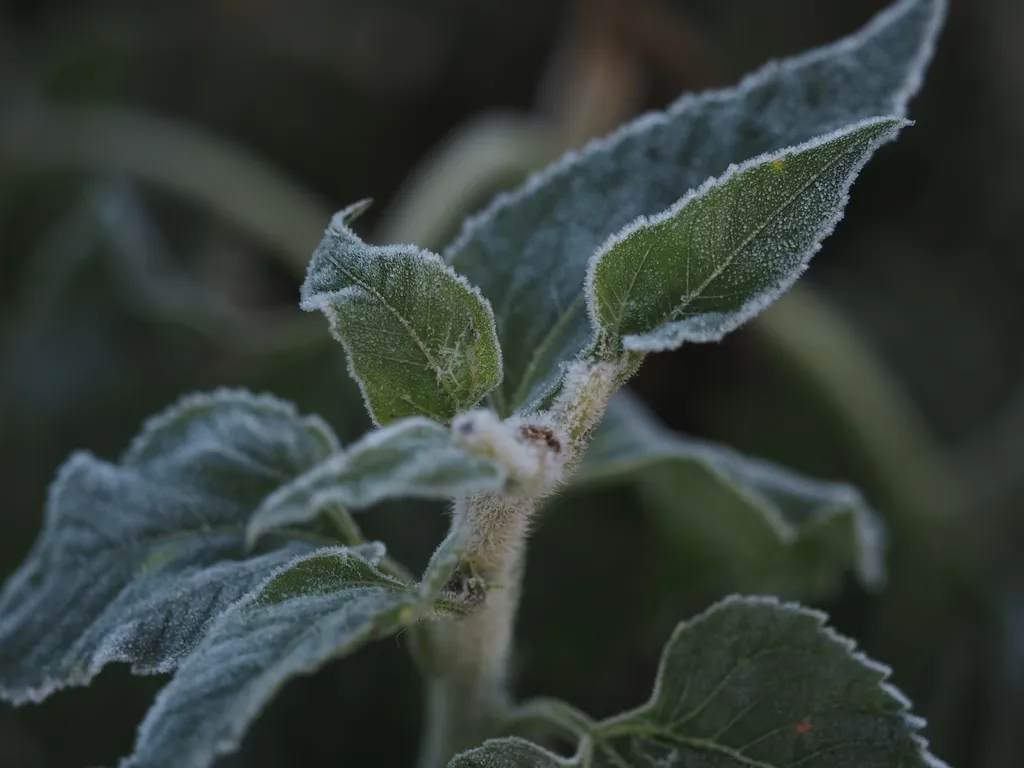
(804, 726)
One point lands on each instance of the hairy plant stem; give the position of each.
(466, 695)
(467, 699)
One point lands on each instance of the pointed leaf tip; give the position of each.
(727, 250)
(528, 251)
(421, 341)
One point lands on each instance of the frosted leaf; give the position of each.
(766, 527)
(728, 249)
(414, 457)
(511, 753)
(420, 340)
(528, 251)
(319, 607)
(137, 558)
(752, 683)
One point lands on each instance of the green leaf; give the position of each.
(753, 683)
(511, 753)
(420, 340)
(765, 527)
(727, 250)
(528, 252)
(136, 559)
(317, 608)
(414, 457)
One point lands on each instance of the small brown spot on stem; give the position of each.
(541, 434)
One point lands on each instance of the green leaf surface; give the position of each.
(751, 683)
(727, 250)
(511, 753)
(319, 607)
(414, 457)
(528, 251)
(136, 559)
(420, 340)
(767, 528)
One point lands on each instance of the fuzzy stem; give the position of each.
(466, 696)
(467, 699)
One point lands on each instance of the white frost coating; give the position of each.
(737, 615)
(670, 335)
(528, 250)
(529, 447)
(414, 457)
(372, 552)
(256, 647)
(694, 101)
(136, 560)
(632, 440)
(195, 404)
(446, 322)
(511, 752)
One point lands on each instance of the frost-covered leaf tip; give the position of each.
(528, 251)
(728, 249)
(421, 341)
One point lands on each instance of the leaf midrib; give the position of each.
(731, 258)
(420, 344)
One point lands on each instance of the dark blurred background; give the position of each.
(167, 167)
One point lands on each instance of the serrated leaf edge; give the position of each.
(191, 404)
(913, 722)
(900, 102)
(183, 408)
(19, 577)
(901, 99)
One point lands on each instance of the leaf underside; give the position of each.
(750, 683)
(136, 559)
(528, 252)
(421, 341)
(750, 524)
